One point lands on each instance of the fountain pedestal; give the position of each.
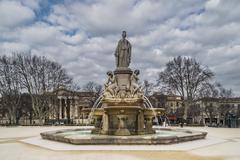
(122, 120)
(123, 111)
(122, 126)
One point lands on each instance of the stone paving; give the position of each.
(24, 143)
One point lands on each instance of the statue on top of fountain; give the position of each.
(122, 84)
(123, 52)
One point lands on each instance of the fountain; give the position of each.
(125, 115)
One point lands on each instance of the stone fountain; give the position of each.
(122, 114)
(124, 109)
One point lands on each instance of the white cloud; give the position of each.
(74, 39)
(218, 12)
(109, 16)
(33, 4)
(39, 34)
(13, 13)
(82, 35)
(11, 47)
(212, 4)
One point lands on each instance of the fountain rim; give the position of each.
(149, 139)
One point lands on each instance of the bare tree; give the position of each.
(208, 90)
(40, 76)
(210, 111)
(10, 89)
(26, 107)
(223, 92)
(185, 76)
(148, 88)
(93, 88)
(215, 92)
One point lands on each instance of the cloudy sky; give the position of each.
(82, 34)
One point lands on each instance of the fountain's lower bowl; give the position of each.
(83, 136)
(128, 120)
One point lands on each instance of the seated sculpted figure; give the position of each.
(135, 88)
(111, 87)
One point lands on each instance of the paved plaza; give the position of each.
(24, 143)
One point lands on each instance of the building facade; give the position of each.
(223, 112)
(65, 107)
(69, 107)
(173, 105)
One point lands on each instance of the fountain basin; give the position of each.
(85, 137)
(124, 120)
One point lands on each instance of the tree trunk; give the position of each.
(30, 117)
(210, 120)
(41, 120)
(186, 106)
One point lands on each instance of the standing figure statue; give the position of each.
(123, 52)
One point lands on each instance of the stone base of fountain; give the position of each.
(124, 111)
(85, 137)
(124, 120)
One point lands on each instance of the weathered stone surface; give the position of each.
(123, 52)
(178, 135)
(124, 111)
